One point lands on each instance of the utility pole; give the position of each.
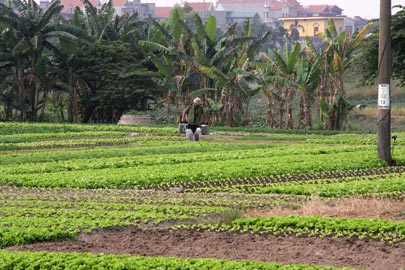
(384, 79)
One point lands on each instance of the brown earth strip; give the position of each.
(340, 252)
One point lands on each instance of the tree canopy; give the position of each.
(98, 65)
(367, 59)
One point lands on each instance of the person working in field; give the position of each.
(193, 115)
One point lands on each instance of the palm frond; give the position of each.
(10, 18)
(53, 10)
(338, 63)
(361, 35)
(163, 68)
(161, 30)
(153, 46)
(247, 28)
(73, 30)
(198, 54)
(215, 73)
(279, 62)
(176, 24)
(211, 27)
(293, 58)
(253, 48)
(201, 33)
(91, 13)
(201, 91)
(332, 28)
(61, 35)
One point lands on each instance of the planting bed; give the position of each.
(123, 197)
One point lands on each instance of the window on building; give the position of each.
(316, 29)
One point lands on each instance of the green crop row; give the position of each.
(384, 230)
(17, 260)
(20, 128)
(30, 221)
(31, 137)
(31, 215)
(312, 139)
(89, 142)
(161, 159)
(21, 208)
(349, 187)
(128, 199)
(196, 171)
(174, 147)
(36, 214)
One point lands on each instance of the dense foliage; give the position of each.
(368, 56)
(97, 66)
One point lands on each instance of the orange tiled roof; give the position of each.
(163, 12)
(119, 3)
(198, 6)
(276, 5)
(293, 2)
(317, 8)
(238, 2)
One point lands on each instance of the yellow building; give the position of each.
(310, 26)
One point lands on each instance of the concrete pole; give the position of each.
(384, 85)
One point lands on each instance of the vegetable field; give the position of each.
(139, 197)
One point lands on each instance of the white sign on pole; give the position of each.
(384, 96)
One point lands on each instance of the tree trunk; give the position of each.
(289, 100)
(270, 114)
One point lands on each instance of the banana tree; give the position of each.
(170, 51)
(338, 57)
(294, 34)
(277, 75)
(285, 65)
(308, 78)
(229, 71)
(36, 35)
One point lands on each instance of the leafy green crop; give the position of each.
(386, 230)
(73, 261)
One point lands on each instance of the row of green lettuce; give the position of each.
(149, 146)
(32, 221)
(135, 157)
(197, 170)
(392, 183)
(17, 260)
(16, 140)
(11, 128)
(34, 214)
(30, 132)
(7, 128)
(28, 221)
(383, 230)
(88, 142)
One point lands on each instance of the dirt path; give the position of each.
(340, 252)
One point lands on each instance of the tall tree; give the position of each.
(367, 59)
(294, 33)
(282, 72)
(232, 76)
(172, 54)
(34, 35)
(338, 56)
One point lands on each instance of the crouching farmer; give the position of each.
(193, 114)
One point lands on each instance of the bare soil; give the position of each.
(149, 241)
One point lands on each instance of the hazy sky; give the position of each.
(368, 9)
